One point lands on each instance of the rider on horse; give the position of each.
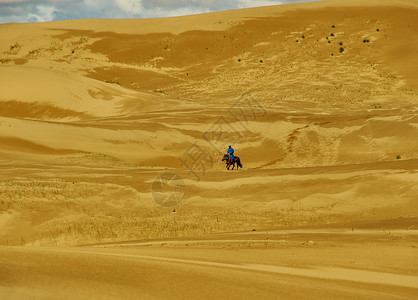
(230, 152)
(231, 159)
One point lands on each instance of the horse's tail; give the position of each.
(239, 162)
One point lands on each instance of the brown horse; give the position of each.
(230, 162)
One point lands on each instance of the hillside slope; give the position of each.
(318, 99)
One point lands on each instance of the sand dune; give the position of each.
(318, 99)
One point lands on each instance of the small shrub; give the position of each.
(239, 59)
(33, 53)
(341, 49)
(329, 42)
(112, 82)
(303, 36)
(261, 61)
(332, 54)
(341, 43)
(366, 41)
(333, 26)
(161, 92)
(377, 29)
(398, 157)
(297, 41)
(331, 34)
(15, 46)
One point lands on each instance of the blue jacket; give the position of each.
(230, 152)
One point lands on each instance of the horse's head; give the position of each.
(225, 157)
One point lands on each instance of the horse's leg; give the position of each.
(238, 163)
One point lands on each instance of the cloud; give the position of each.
(253, 3)
(49, 10)
(44, 14)
(130, 7)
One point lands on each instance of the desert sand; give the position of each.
(112, 134)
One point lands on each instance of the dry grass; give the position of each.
(141, 224)
(85, 212)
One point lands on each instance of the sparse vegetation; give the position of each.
(112, 82)
(33, 53)
(14, 48)
(87, 212)
(55, 46)
(160, 92)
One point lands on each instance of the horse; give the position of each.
(229, 161)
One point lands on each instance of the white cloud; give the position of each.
(254, 3)
(130, 7)
(44, 14)
(159, 12)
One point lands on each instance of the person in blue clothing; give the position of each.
(230, 151)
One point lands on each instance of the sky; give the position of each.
(22, 11)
